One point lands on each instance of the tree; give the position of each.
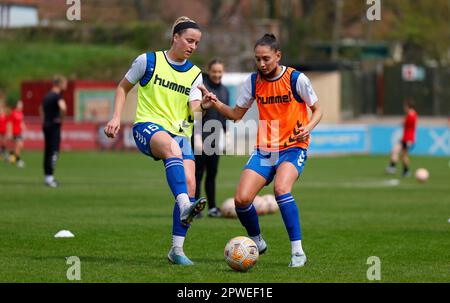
(140, 9)
(422, 27)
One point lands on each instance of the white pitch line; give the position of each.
(358, 184)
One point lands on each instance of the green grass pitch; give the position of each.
(119, 207)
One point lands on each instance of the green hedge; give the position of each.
(21, 61)
(135, 35)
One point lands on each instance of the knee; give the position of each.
(169, 149)
(281, 189)
(242, 200)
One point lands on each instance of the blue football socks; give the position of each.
(249, 219)
(290, 214)
(175, 176)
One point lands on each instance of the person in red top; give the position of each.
(283, 96)
(16, 120)
(407, 141)
(3, 128)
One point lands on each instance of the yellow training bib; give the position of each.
(164, 98)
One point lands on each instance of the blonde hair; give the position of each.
(181, 20)
(58, 79)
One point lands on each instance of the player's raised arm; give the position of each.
(113, 126)
(210, 99)
(195, 96)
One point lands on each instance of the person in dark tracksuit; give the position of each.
(53, 110)
(208, 160)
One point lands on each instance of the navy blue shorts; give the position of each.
(407, 145)
(143, 133)
(267, 163)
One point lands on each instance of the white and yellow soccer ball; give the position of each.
(227, 208)
(260, 205)
(422, 175)
(241, 253)
(271, 203)
(12, 159)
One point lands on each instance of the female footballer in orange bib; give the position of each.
(168, 96)
(282, 95)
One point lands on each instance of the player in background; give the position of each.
(283, 96)
(3, 129)
(208, 160)
(16, 120)
(407, 141)
(168, 97)
(53, 110)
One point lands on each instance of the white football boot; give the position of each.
(189, 213)
(262, 245)
(298, 260)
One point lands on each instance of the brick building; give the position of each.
(231, 12)
(54, 11)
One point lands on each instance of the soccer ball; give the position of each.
(241, 253)
(271, 203)
(227, 209)
(12, 159)
(422, 175)
(260, 204)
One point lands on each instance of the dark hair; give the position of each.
(410, 103)
(270, 40)
(214, 61)
(12, 99)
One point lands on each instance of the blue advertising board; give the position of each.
(375, 139)
(430, 140)
(330, 139)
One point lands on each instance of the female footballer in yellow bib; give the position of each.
(283, 96)
(168, 97)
